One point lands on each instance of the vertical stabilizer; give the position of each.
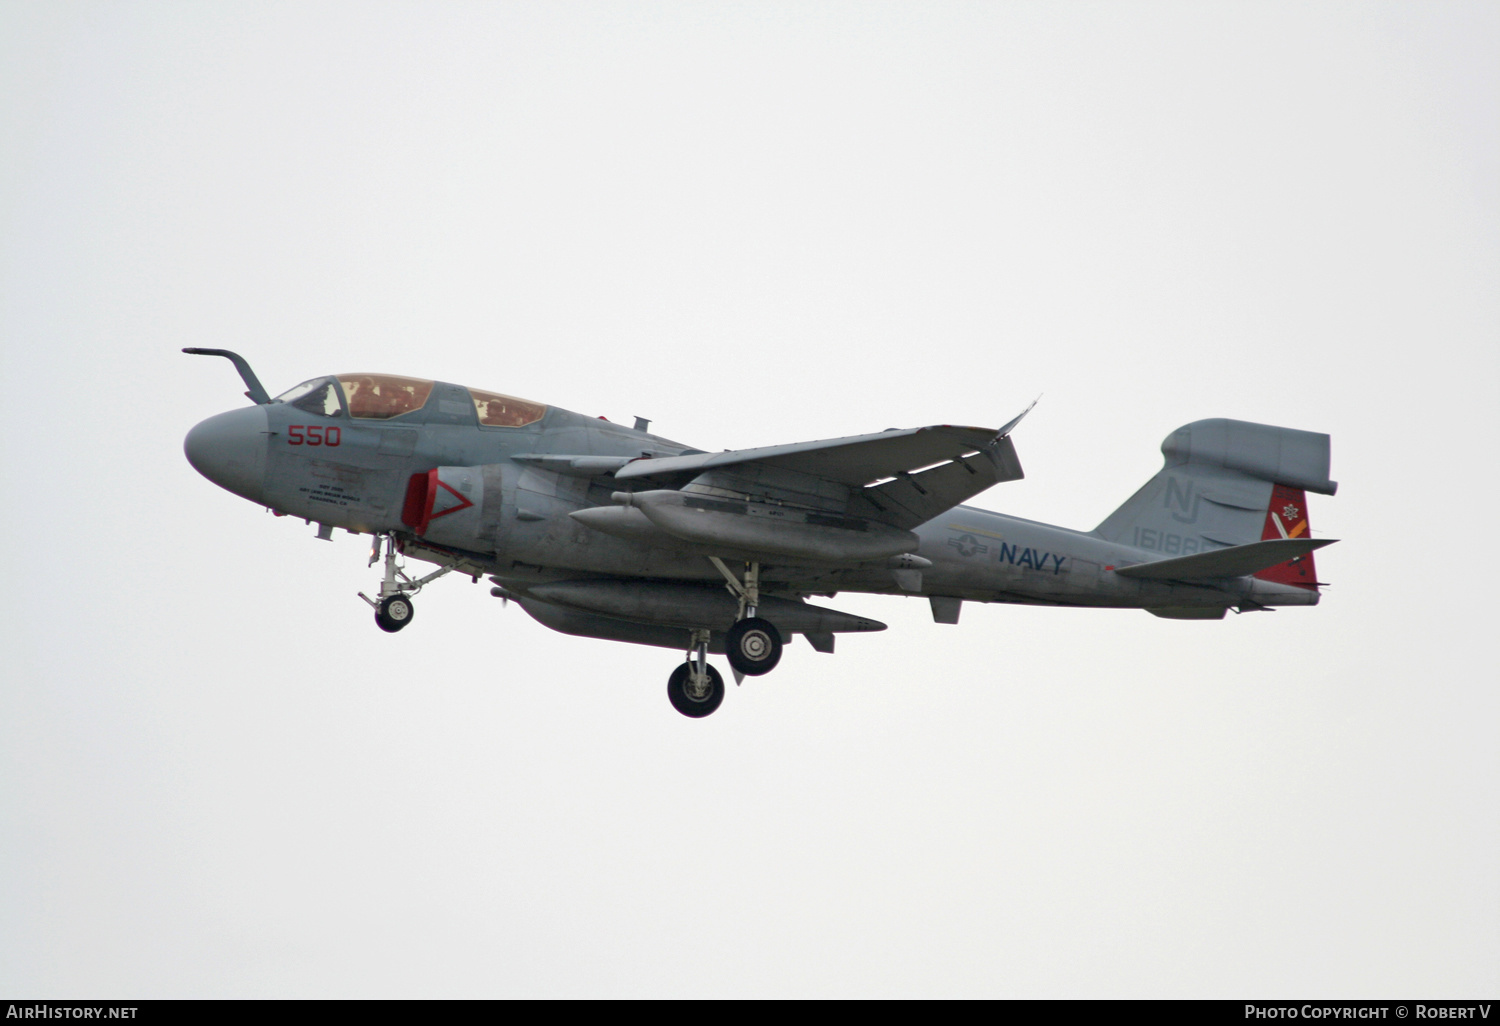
(1220, 486)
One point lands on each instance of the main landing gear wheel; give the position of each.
(753, 646)
(394, 613)
(692, 698)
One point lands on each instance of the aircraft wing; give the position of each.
(902, 478)
(856, 460)
(1236, 561)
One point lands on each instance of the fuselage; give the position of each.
(313, 457)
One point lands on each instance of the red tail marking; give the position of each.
(1287, 518)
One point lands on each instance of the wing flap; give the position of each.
(1238, 561)
(912, 499)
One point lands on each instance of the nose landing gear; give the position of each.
(394, 609)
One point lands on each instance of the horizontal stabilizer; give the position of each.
(1237, 561)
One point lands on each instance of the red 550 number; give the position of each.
(314, 434)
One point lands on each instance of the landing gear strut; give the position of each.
(753, 645)
(394, 609)
(695, 688)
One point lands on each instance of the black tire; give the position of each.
(685, 703)
(753, 646)
(394, 613)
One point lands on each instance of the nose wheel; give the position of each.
(394, 613)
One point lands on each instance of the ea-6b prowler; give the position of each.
(605, 531)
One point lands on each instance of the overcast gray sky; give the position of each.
(754, 224)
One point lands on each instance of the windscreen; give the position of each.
(319, 396)
(383, 396)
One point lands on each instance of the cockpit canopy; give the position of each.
(505, 411)
(384, 396)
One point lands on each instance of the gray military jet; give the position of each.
(604, 531)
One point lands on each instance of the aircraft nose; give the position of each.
(230, 450)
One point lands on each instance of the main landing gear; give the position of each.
(394, 609)
(752, 644)
(695, 688)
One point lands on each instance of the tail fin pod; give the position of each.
(1217, 488)
(1283, 455)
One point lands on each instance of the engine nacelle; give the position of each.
(456, 506)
